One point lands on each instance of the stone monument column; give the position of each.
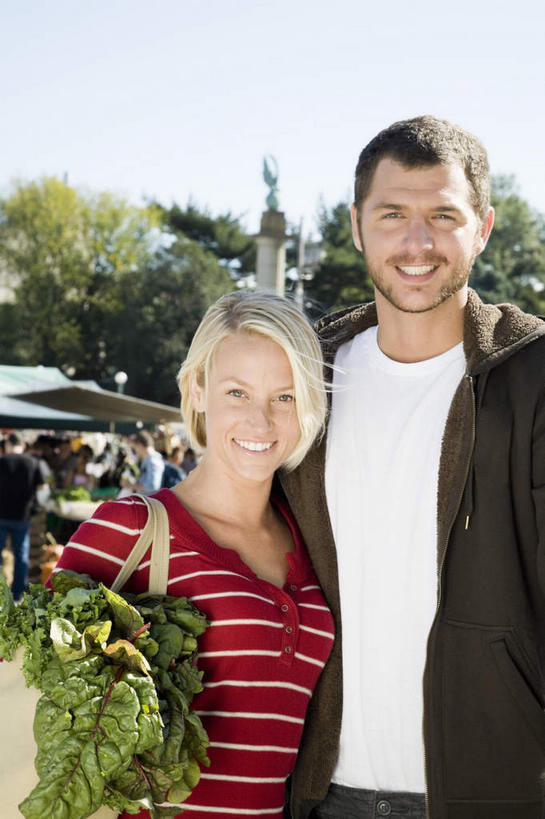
(271, 239)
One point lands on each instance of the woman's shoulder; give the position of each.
(101, 544)
(124, 510)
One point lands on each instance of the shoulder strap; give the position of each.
(156, 531)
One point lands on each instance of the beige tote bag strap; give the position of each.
(156, 531)
(160, 552)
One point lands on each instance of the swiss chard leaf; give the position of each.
(113, 725)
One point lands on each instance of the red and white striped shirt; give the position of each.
(261, 655)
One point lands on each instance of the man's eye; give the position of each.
(444, 217)
(392, 215)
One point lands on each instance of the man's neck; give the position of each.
(411, 337)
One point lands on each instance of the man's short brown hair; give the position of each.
(425, 141)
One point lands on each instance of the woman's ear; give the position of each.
(197, 393)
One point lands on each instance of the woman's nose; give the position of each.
(260, 416)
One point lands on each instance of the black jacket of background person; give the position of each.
(19, 476)
(484, 683)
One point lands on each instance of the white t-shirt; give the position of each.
(383, 450)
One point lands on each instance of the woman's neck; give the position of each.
(207, 490)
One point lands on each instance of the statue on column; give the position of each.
(270, 176)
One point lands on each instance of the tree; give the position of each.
(163, 307)
(221, 235)
(342, 278)
(512, 267)
(99, 285)
(65, 253)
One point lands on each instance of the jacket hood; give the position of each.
(492, 333)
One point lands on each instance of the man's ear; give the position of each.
(356, 233)
(197, 393)
(485, 230)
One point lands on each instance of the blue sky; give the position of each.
(172, 100)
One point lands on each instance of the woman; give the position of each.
(253, 398)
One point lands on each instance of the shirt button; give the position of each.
(384, 808)
(293, 588)
(287, 649)
(289, 629)
(284, 607)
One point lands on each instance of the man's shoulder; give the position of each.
(494, 333)
(340, 326)
(16, 458)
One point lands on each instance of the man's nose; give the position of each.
(419, 236)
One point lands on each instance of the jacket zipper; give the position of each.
(469, 378)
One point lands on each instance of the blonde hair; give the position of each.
(280, 320)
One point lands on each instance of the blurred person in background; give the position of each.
(173, 472)
(20, 478)
(151, 464)
(79, 475)
(189, 461)
(64, 462)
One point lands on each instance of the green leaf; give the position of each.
(63, 582)
(125, 653)
(126, 618)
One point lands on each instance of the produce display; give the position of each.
(117, 674)
(71, 493)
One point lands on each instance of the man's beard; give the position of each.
(456, 281)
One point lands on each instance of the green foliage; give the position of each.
(221, 235)
(163, 306)
(342, 279)
(512, 267)
(113, 723)
(100, 286)
(65, 253)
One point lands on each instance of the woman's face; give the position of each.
(249, 406)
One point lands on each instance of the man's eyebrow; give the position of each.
(397, 206)
(387, 206)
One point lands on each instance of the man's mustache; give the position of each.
(407, 261)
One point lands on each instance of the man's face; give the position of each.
(419, 233)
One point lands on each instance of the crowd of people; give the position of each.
(36, 469)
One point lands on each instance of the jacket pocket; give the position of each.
(512, 669)
(492, 721)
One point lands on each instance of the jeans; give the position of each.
(18, 530)
(356, 803)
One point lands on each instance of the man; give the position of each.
(432, 487)
(152, 465)
(20, 477)
(173, 471)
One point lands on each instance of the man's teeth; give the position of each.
(417, 270)
(255, 447)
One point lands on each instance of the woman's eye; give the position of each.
(286, 398)
(236, 393)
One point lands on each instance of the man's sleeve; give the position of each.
(39, 477)
(156, 469)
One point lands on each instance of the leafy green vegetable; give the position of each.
(117, 675)
(71, 493)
